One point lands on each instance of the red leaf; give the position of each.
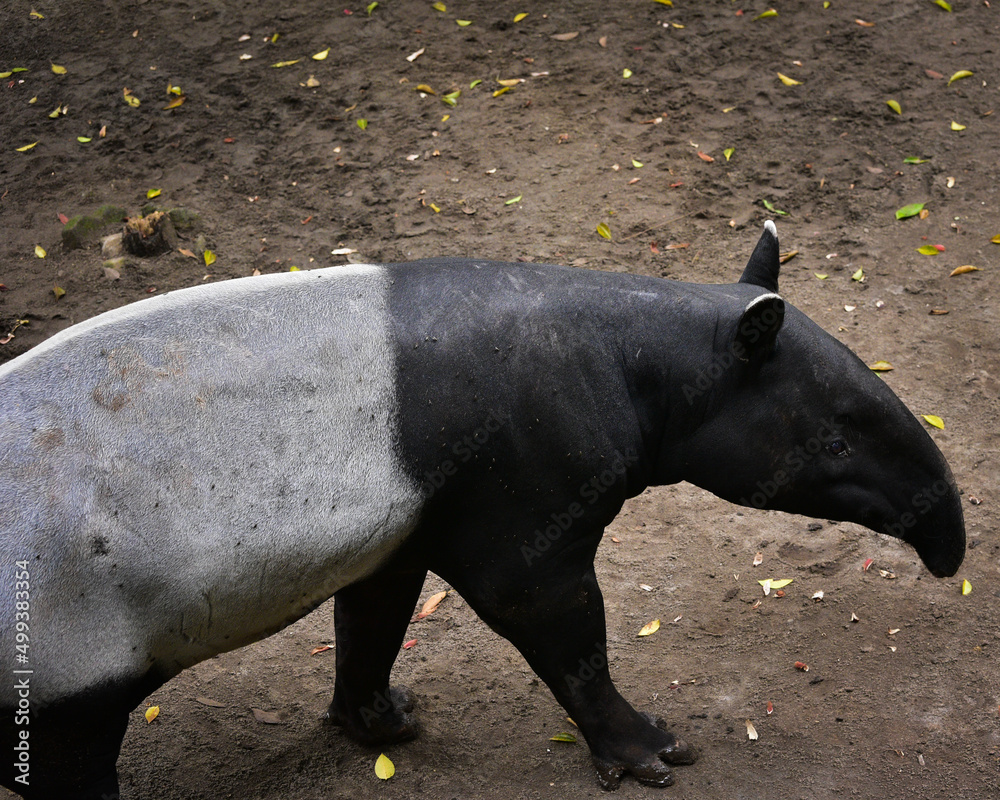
(939, 247)
(705, 157)
(802, 666)
(409, 644)
(770, 707)
(653, 247)
(933, 74)
(868, 563)
(321, 649)
(63, 219)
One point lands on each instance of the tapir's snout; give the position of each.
(940, 540)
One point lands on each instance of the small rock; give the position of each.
(111, 246)
(111, 273)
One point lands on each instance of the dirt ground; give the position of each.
(281, 174)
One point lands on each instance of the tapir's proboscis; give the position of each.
(195, 471)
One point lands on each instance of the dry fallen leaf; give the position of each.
(321, 649)
(432, 603)
(963, 269)
(565, 37)
(649, 628)
(758, 559)
(207, 701)
(266, 717)
(751, 732)
(801, 665)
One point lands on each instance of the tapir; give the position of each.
(193, 472)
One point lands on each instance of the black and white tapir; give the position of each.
(193, 472)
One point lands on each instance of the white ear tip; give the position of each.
(769, 226)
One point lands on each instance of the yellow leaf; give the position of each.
(513, 200)
(966, 588)
(996, 239)
(151, 193)
(432, 603)
(35, 15)
(39, 251)
(293, 268)
(26, 148)
(209, 257)
(789, 81)
(934, 420)
(728, 152)
(894, 106)
(280, 64)
(928, 250)
(83, 139)
(384, 768)
(463, 22)
(423, 87)
(604, 230)
(821, 275)
(58, 291)
(177, 102)
(440, 7)
(963, 269)
(435, 208)
(499, 92)
(881, 366)
(859, 275)
(322, 54)
(130, 98)
(957, 126)
(626, 73)
(962, 73)
(569, 738)
(769, 13)
(519, 17)
(650, 628)
(152, 713)
(509, 81)
(446, 117)
(636, 164)
(665, 2)
(58, 70)
(782, 583)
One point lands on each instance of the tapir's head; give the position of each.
(796, 422)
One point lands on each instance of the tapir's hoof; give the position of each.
(649, 767)
(375, 724)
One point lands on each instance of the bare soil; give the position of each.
(281, 175)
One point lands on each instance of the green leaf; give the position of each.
(942, 4)
(475, 83)
(636, 164)
(626, 73)
(151, 193)
(894, 106)
(362, 123)
(512, 200)
(569, 738)
(604, 230)
(915, 160)
(209, 257)
(371, 7)
(859, 276)
(962, 73)
(280, 64)
(462, 23)
(769, 13)
(770, 207)
(728, 152)
(909, 211)
(928, 250)
(451, 98)
(83, 139)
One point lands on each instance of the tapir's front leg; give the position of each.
(371, 617)
(553, 612)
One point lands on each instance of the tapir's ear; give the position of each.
(759, 326)
(762, 268)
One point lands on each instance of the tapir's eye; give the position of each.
(838, 447)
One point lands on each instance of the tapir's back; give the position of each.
(205, 444)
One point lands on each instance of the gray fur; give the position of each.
(181, 495)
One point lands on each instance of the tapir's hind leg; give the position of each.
(553, 612)
(371, 618)
(74, 750)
